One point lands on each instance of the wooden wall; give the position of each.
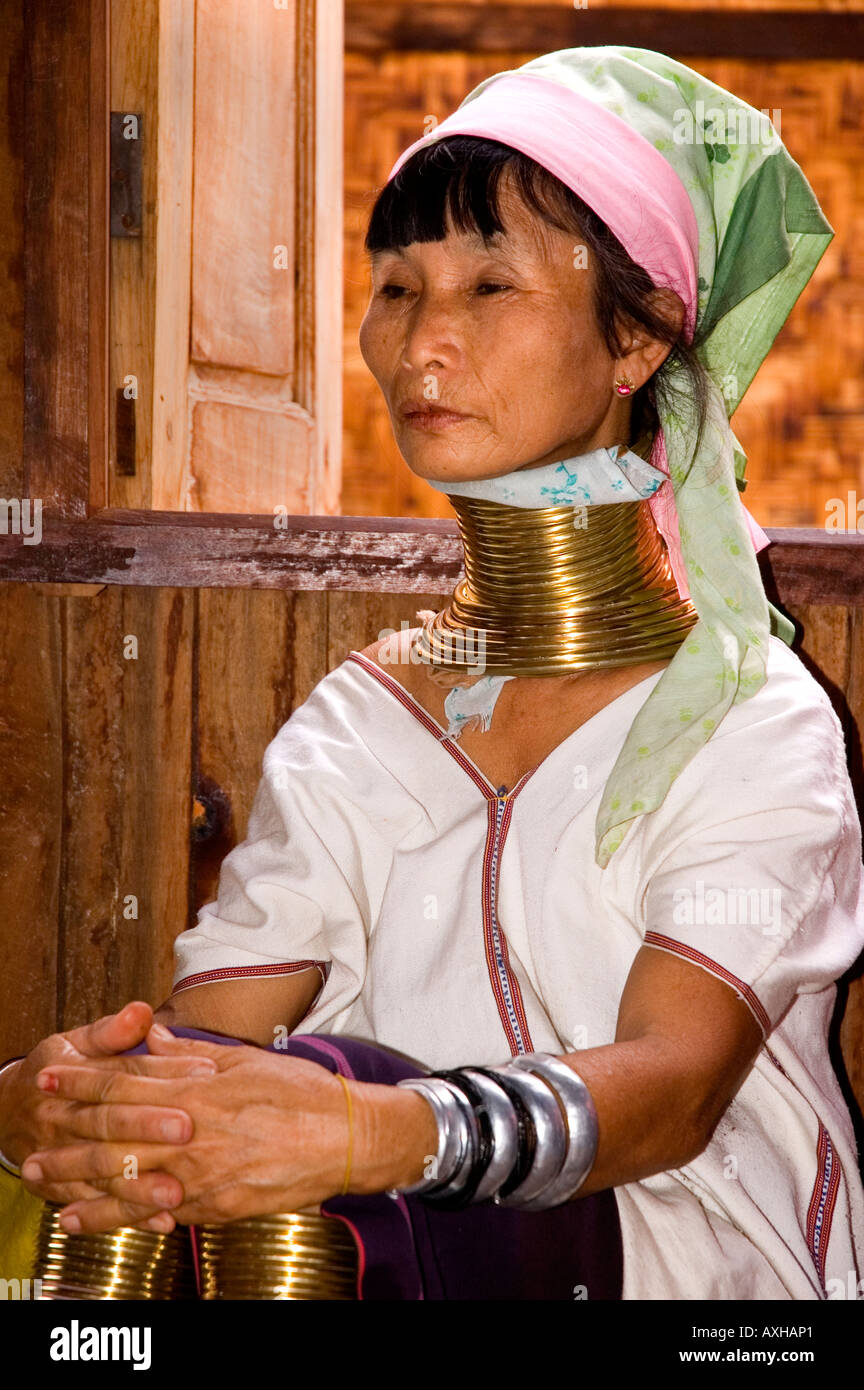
(132, 776)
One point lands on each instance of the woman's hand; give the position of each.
(35, 1118)
(271, 1134)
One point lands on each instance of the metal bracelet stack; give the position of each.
(5, 1163)
(522, 1135)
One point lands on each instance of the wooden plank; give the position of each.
(249, 452)
(308, 643)
(824, 647)
(245, 174)
(33, 863)
(264, 658)
(56, 141)
(356, 620)
(386, 554)
(66, 590)
(321, 240)
(380, 27)
(158, 715)
(245, 263)
(832, 648)
(808, 566)
(134, 91)
(11, 252)
(98, 255)
(128, 796)
(184, 549)
(175, 158)
(244, 662)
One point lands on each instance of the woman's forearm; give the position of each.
(395, 1136)
(654, 1113)
(257, 1010)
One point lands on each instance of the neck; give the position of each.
(552, 590)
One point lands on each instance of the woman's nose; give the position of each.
(432, 334)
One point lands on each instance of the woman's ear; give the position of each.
(641, 352)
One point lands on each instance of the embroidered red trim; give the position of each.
(667, 943)
(234, 972)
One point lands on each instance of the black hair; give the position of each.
(461, 174)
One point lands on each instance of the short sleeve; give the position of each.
(291, 896)
(755, 873)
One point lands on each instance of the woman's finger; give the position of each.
(102, 1214)
(132, 1124)
(98, 1163)
(93, 1171)
(97, 1085)
(113, 1032)
(146, 1064)
(163, 1222)
(162, 1042)
(63, 1192)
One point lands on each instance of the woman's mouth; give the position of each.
(434, 419)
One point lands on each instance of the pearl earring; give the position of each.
(623, 385)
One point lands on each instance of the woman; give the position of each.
(595, 809)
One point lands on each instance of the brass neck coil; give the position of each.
(549, 590)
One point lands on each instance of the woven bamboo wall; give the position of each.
(802, 422)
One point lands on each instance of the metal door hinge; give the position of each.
(126, 137)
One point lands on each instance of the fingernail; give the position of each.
(71, 1223)
(32, 1171)
(160, 1031)
(46, 1082)
(202, 1069)
(174, 1130)
(165, 1196)
(163, 1222)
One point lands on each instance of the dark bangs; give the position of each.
(460, 176)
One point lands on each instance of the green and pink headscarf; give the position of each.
(702, 193)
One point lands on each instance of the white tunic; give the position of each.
(460, 926)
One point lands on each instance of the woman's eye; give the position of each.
(393, 291)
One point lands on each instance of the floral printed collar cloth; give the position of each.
(700, 190)
(588, 480)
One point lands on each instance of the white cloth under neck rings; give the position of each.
(596, 479)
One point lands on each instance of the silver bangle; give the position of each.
(453, 1131)
(5, 1162)
(578, 1106)
(551, 1146)
(505, 1134)
(471, 1141)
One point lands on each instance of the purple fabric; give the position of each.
(411, 1251)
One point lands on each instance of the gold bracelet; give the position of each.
(350, 1133)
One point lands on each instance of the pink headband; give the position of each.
(626, 181)
(613, 168)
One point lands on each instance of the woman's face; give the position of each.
(507, 337)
